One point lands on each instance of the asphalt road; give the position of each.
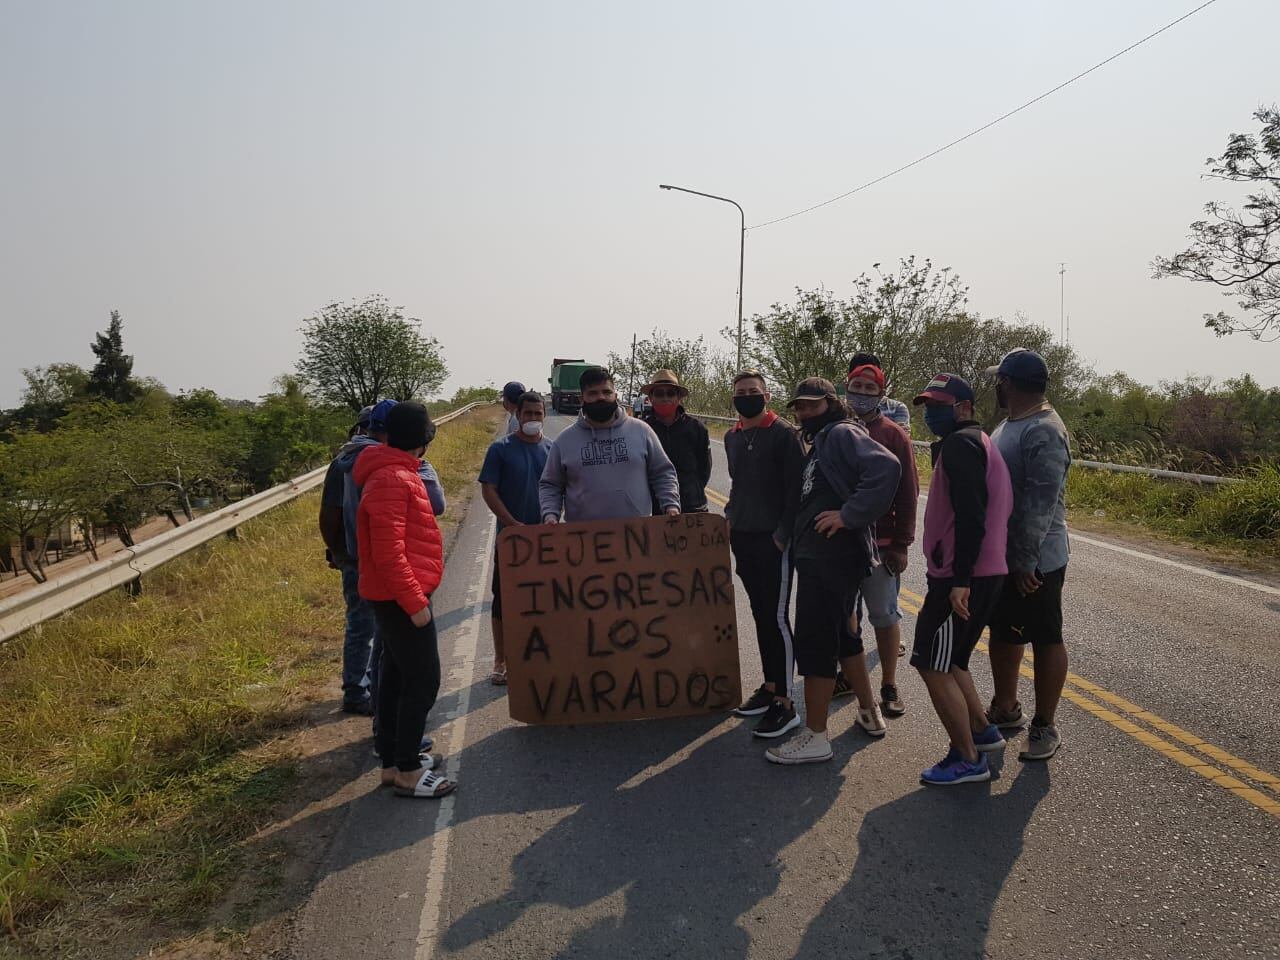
(1154, 833)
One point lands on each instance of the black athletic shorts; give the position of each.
(826, 597)
(495, 608)
(943, 640)
(1035, 618)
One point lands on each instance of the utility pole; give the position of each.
(1062, 302)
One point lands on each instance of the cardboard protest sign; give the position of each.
(619, 619)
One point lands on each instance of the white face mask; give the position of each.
(531, 429)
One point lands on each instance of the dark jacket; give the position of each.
(688, 446)
(863, 475)
(897, 528)
(764, 472)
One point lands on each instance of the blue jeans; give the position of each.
(359, 641)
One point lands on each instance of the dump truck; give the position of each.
(566, 395)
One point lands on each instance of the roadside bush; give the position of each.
(1247, 511)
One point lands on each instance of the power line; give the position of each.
(988, 126)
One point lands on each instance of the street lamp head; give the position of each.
(664, 186)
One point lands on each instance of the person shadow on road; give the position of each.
(685, 852)
(930, 868)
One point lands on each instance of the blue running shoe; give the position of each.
(989, 740)
(959, 770)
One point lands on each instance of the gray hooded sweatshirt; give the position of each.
(607, 473)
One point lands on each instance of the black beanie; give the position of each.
(409, 426)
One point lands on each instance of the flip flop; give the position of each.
(499, 677)
(430, 786)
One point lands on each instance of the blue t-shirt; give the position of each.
(514, 466)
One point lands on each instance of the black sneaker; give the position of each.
(842, 686)
(778, 719)
(890, 703)
(361, 708)
(759, 702)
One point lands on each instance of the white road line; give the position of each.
(429, 923)
(1191, 568)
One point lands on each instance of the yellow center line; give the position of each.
(1080, 697)
(1161, 746)
(1215, 753)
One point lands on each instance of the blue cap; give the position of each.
(378, 418)
(1023, 364)
(513, 391)
(945, 388)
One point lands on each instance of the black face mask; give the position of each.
(812, 426)
(750, 405)
(601, 411)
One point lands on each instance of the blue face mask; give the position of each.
(940, 420)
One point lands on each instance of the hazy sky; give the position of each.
(219, 171)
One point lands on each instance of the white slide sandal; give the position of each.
(430, 786)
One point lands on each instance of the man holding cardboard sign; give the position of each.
(619, 619)
(607, 465)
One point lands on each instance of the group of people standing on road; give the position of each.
(834, 501)
(830, 502)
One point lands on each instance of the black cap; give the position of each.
(409, 426)
(513, 391)
(813, 388)
(945, 388)
(1022, 364)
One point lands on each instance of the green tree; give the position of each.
(890, 312)
(812, 337)
(49, 394)
(112, 376)
(1239, 251)
(968, 344)
(355, 354)
(698, 367)
(287, 435)
(170, 461)
(43, 485)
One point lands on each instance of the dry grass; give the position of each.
(140, 738)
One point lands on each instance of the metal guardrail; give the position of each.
(1089, 464)
(49, 599)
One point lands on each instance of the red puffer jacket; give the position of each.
(401, 551)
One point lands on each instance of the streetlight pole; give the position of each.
(742, 249)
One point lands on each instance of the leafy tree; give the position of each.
(42, 486)
(170, 460)
(112, 376)
(288, 435)
(49, 394)
(355, 354)
(203, 405)
(890, 312)
(813, 337)
(706, 373)
(967, 344)
(888, 315)
(1239, 251)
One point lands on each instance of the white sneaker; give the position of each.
(804, 747)
(871, 722)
